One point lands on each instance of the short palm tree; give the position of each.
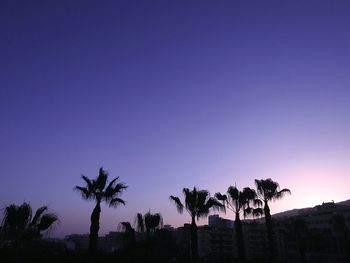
(269, 190)
(98, 191)
(240, 202)
(198, 203)
(149, 221)
(139, 223)
(152, 222)
(20, 225)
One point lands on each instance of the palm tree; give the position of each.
(149, 221)
(20, 225)
(267, 191)
(198, 204)
(152, 222)
(240, 202)
(97, 191)
(139, 224)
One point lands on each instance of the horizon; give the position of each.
(221, 215)
(172, 95)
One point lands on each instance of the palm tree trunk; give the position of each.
(94, 227)
(268, 222)
(194, 241)
(239, 238)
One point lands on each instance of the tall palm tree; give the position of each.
(269, 190)
(197, 204)
(240, 202)
(149, 221)
(20, 225)
(96, 190)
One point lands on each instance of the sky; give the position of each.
(172, 94)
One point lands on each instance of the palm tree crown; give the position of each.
(153, 221)
(268, 190)
(197, 203)
(241, 201)
(149, 221)
(96, 189)
(19, 222)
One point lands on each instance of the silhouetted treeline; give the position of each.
(294, 239)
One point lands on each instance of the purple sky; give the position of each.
(172, 94)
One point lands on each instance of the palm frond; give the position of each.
(257, 202)
(85, 193)
(89, 183)
(116, 201)
(214, 204)
(247, 211)
(24, 215)
(179, 205)
(111, 183)
(47, 221)
(221, 197)
(201, 197)
(139, 223)
(282, 193)
(37, 215)
(112, 190)
(258, 212)
(101, 179)
(190, 198)
(233, 192)
(10, 217)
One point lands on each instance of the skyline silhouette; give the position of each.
(172, 95)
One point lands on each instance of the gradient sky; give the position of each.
(172, 94)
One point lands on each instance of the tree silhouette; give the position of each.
(20, 225)
(139, 224)
(267, 191)
(240, 202)
(97, 191)
(198, 204)
(149, 221)
(152, 222)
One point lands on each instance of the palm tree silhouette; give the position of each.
(152, 222)
(20, 225)
(149, 221)
(240, 202)
(267, 191)
(97, 191)
(198, 204)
